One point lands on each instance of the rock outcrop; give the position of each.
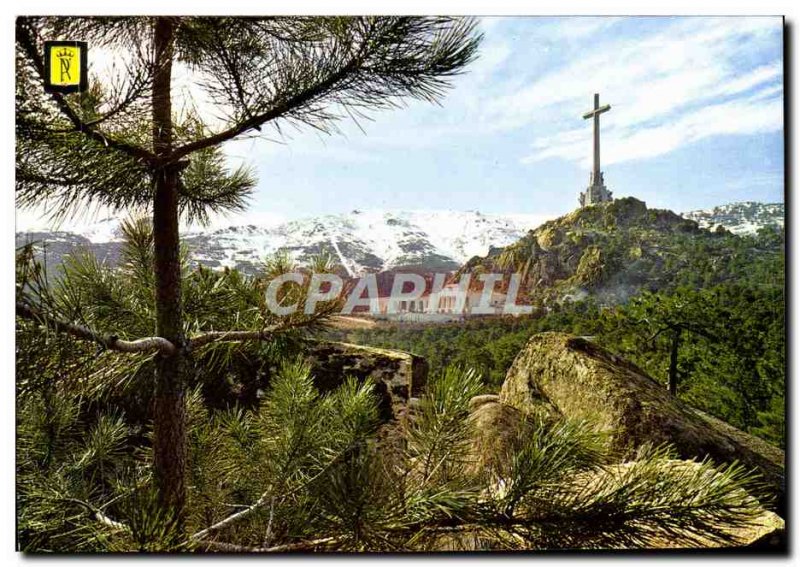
(398, 376)
(612, 250)
(496, 425)
(767, 530)
(576, 378)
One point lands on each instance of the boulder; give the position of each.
(766, 530)
(494, 427)
(398, 376)
(482, 399)
(581, 380)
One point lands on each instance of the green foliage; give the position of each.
(439, 436)
(67, 458)
(308, 471)
(120, 301)
(731, 358)
(539, 458)
(97, 148)
(732, 354)
(208, 187)
(85, 428)
(606, 511)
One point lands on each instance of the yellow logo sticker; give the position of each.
(65, 66)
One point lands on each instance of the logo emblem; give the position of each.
(65, 66)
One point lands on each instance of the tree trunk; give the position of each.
(169, 444)
(672, 381)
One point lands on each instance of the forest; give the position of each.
(161, 407)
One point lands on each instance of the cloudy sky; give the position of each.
(696, 120)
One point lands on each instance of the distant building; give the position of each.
(449, 301)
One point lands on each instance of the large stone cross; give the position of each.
(595, 113)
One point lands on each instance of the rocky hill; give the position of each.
(613, 250)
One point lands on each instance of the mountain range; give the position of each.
(368, 241)
(745, 217)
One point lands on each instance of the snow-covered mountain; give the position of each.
(367, 241)
(740, 218)
(361, 241)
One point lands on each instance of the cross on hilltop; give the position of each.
(596, 192)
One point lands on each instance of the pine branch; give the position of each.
(98, 515)
(388, 58)
(262, 335)
(160, 344)
(28, 44)
(255, 122)
(111, 342)
(263, 499)
(233, 517)
(235, 336)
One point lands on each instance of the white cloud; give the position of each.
(674, 87)
(748, 116)
(649, 77)
(656, 82)
(574, 29)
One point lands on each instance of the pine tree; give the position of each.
(124, 143)
(303, 470)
